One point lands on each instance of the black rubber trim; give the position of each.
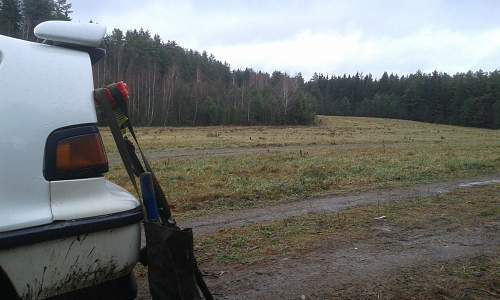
(62, 229)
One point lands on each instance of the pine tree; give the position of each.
(62, 10)
(10, 18)
(35, 12)
(38, 11)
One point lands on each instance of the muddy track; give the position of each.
(350, 267)
(114, 158)
(354, 268)
(210, 224)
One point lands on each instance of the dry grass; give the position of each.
(400, 153)
(465, 208)
(358, 154)
(475, 278)
(328, 131)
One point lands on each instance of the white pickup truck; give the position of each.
(65, 231)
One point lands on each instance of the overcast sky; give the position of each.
(331, 37)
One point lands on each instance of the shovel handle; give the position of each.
(149, 197)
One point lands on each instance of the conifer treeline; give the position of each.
(176, 86)
(18, 18)
(470, 99)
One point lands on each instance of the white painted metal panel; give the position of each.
(55, 267)
(42, 88)
(82, 198)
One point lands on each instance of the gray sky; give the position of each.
(331, 37)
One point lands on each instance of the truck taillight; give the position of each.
(73, 153)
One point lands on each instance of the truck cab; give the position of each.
(64, 228)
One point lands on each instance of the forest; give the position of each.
(175, 86)
(469, 99)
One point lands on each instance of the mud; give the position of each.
(348, 268)
(365, 265)
(211, 224)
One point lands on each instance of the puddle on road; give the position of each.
(479, 183)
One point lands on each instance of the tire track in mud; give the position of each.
(328, 204)
(354, 268)
(343, 267)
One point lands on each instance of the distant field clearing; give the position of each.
(330, 130)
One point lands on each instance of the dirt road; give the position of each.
(389, 265)
(359, 270)
(210, 224)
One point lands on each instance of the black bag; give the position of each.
(172, 250)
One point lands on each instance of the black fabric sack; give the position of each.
(172, 267)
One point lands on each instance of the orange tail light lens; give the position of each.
(80, 153)
(73, 153)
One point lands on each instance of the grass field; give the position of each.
(327, 131)
(216, 171)
(338, 155)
